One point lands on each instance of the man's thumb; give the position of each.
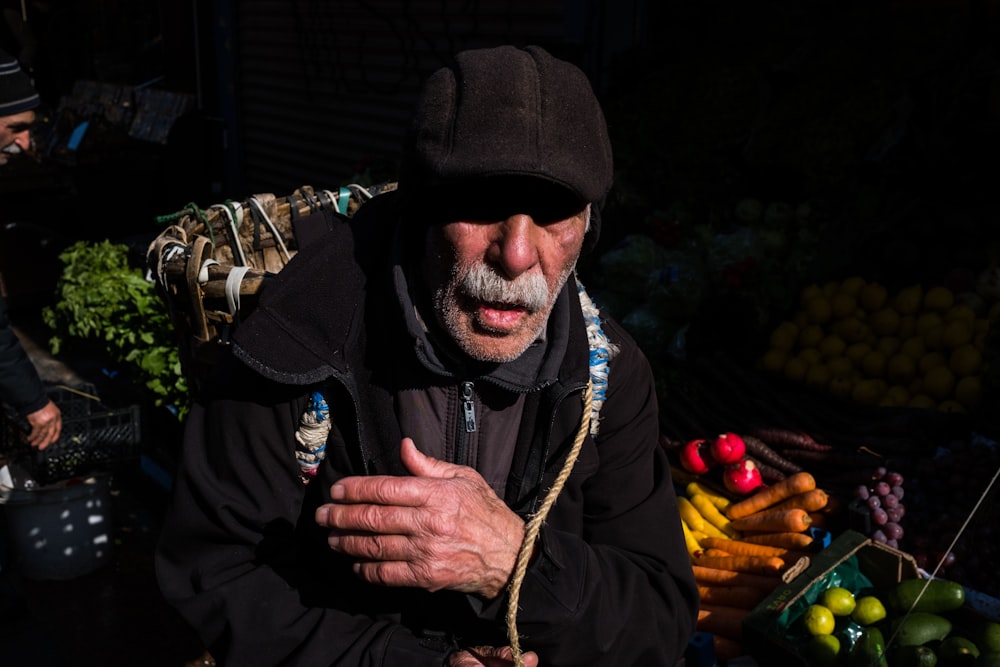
(421, 465)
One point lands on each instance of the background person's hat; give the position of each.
(509, 112)
(16, 92)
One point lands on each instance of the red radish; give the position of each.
(742, 477)
(728, 448)
(695, 456)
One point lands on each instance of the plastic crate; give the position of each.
(94, 438)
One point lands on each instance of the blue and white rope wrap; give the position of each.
(314, 428)
(601, 352)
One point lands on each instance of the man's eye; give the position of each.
(18, 128)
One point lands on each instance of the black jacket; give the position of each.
(242, 559)
(20, 386)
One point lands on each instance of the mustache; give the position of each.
(484, 284)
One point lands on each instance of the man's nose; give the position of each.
(23, 140)
(515, 248)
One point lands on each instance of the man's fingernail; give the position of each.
(337, 492)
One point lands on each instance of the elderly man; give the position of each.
(20, 386)
(427, 447)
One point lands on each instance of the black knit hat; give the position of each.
(510, 112)
(16, 92)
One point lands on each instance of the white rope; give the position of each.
(270, 225)
(234, 228)
(233, 282)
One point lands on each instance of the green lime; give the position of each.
(823, 650)
(868, 610)
(839, 600)
(819, 620)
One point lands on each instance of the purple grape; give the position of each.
(861, 491)
(893, 530)
(892, 543)
(879, 473)
(889, 501)
(895, 514)
(882, 488)
(894, 478)
(874, 502)
(879, 536)
(880, 517)
(897, 490)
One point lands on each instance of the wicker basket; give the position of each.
(211, 264)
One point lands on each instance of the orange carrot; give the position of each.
(721, 620)
(786, 540)
(744, 597)
(714, 552)
(778, 521)
(751, 564)
(742, 548)
(713, 576)
(811, 501)
(768, 496)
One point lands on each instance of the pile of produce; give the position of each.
(920, 347)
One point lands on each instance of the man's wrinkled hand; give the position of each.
(442, 528)
(489, 656)
(46, 425)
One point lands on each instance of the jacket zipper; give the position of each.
(467, 424)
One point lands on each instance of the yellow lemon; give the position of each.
(914, 347)
(852, 285)
(900, 368)
(921, 401)
(868, 391)
(868, 610)
(857, 351)
(839, 600)
(884, 321)
(795, 369)
(889, 345)
(840, 366)
(843, 304)
(939, 383)
(965, 360)
(951, 407)
(931, 360)
(851, 329)
(818, 620)
(819, 309)
(818, 376)
(933, 337)
(939, 298)
(841, 386)
(810, 335)
(909, 299)
(960, 311)
(907, 326)
(823, 650)
(809, 292)
(956, 332)
(928, 320)
(774, 360)
(832, 346)
(872, 296)
(810, 355)
(873, 364)
(968, 391)
(898, 394)
(784, 336)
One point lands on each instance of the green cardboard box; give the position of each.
(852, 560)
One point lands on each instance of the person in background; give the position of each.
(369, 478)
(20, 386)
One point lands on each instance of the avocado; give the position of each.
(914, 656)
(989, 637)
(939, 596)
(919, 628)
(868, 650)
(956, 651)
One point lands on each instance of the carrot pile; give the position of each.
(740, 548)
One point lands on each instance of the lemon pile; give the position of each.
(920, 347)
